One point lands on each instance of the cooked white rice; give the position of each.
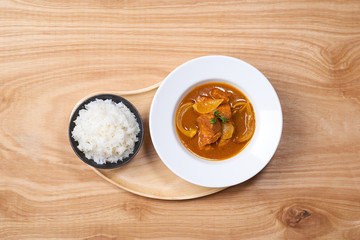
(106, 131)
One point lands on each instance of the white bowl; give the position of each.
(249, 161)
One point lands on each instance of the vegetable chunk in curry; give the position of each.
(215, 121)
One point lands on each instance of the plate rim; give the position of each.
(270, 89)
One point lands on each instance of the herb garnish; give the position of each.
(223, 119)
(216, 114)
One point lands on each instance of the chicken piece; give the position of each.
(209, 132)
(225, 111)
(219, 94)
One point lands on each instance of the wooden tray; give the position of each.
(146, 175)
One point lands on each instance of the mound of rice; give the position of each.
(106, 131)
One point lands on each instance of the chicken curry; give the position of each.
(215, 121)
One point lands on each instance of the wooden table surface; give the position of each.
(53, 53)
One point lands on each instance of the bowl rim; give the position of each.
(117, 99)
(223, 69)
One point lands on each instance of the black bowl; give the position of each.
(115, 99)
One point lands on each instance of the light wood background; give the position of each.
(52, 53)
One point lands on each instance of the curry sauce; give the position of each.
(215, 121)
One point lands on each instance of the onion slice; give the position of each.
(179, 116)
(207, 105)
(249, 124)
(241, 104)
(227, 130)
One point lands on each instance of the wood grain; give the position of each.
(52, 53)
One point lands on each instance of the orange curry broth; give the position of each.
(215, 152)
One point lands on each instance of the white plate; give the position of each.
(248, 162)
